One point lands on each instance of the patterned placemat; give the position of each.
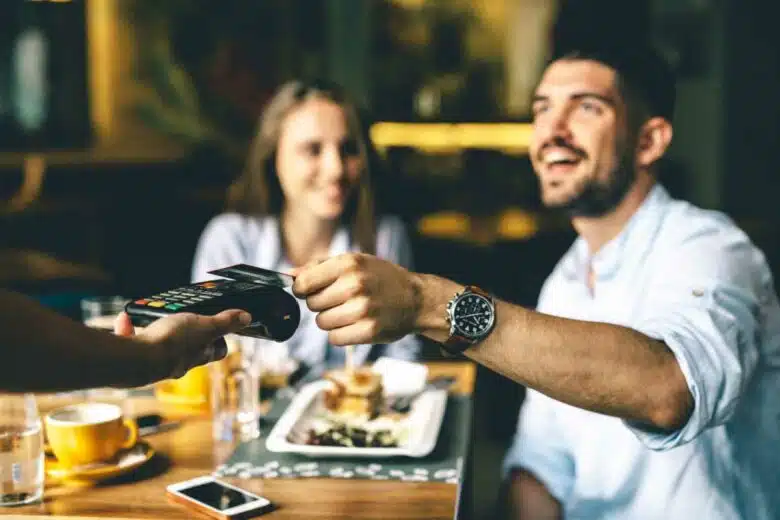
(444, 464)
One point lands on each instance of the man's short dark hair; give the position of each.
(642, 72)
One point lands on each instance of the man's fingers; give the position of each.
(355, 334)
(342, 290)
(315, 278)
(295, 271)
(343, 315)
(123, 326)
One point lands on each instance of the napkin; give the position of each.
(400, 377)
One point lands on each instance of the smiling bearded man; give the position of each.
(652, 360)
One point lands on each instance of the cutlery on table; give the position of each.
(403, 404)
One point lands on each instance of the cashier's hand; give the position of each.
(185, 340)
(360, 298)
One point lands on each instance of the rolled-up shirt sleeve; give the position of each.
(707, 313)
(540, 447)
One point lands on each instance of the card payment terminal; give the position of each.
(261, 292)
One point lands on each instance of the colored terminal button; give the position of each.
(156, 304)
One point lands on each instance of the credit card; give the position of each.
(251, 273)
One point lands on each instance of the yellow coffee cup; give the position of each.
(89, 432)
(194, 386)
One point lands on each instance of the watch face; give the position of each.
(473, 315)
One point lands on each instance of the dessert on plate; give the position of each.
(354, 418)
(355, 392)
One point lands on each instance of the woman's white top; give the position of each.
(232, 238)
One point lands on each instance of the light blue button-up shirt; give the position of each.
(691, 278)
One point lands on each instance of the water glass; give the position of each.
(100, 312)
(21, 450)
(235, 393)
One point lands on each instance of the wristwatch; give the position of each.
(472, 316)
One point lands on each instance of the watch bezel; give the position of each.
(456, 328)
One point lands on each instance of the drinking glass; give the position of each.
(235, 392)
(100, 312)
(21, 450)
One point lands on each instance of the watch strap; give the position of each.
(456, 344)
(478, 290)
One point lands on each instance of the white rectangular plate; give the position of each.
(422, 424)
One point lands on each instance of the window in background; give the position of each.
(43, 76)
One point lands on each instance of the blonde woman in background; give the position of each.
(306, 194)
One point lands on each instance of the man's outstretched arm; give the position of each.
(600, 367)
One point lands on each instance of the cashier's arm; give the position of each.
(43, 351)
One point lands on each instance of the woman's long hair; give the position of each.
(257, 191)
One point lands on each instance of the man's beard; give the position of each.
(595, 197)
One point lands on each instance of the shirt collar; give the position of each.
(341, 243)
(606, 262)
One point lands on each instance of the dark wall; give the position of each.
(752, 183)
(752, 128)
(601, 22)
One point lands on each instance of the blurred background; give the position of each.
(122, 122)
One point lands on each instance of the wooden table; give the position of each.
(189, 451)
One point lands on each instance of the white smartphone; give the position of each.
(219, 499)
